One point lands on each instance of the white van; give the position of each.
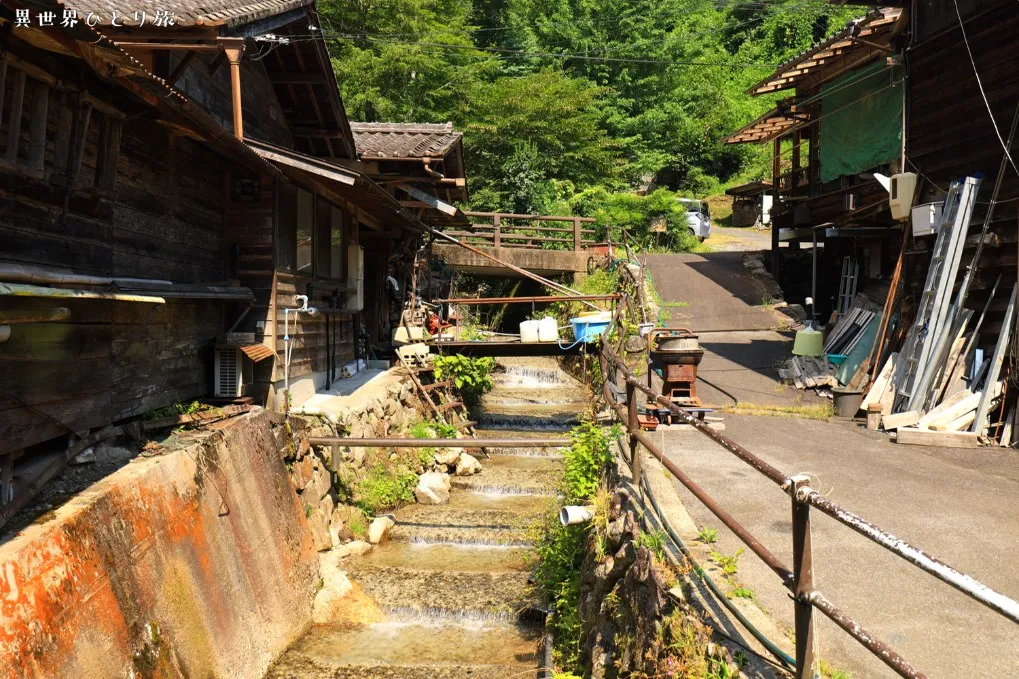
(698, 218)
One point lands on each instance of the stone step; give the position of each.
(509, 480)
(414, 650)
(488, 598)
(451, 524)
(440, 556)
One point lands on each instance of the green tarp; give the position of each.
(861, 126)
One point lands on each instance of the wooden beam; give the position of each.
(181, 66)
(429, 200)
(37, 127)
(109, 153)
(945, 439)
(14, 122)
(290, 78)
(301, 131)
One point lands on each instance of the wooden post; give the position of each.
(576, 235)
(775, 164)
(234, 48)
(7, 479)
(633, 425)
(37, 129)
(109, 154)
(795, 176)
(803, 582)
(14, 122)
(497, 236)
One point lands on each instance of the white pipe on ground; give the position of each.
(572, 515)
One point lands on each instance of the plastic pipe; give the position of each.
(572, 515)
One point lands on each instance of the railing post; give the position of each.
(497, 234)
(576, 235)
(803, 581)
(633, 426)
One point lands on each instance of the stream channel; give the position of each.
(447, 595)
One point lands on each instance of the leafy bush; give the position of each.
(617, 211)
(585, 461)
(472, 376)
(383, 488)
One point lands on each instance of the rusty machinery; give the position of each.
(674, 354)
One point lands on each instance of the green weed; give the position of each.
(741, 593)
(383, 488)
(653, 541)
(708, 535)
(728, 563)
(472, 376)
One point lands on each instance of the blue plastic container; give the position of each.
(590, 328)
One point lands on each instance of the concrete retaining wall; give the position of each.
(196, 562)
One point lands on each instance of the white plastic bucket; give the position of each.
(529, 333)
(548, 329)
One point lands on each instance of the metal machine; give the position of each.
(674, 355)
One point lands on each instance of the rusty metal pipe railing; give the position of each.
(800, 581)
(880, 649)
(528, 300)
(437, 443)
(977, 591)
(725, 517)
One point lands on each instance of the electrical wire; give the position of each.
(980, 85)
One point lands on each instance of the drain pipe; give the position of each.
(572, 515)
(32, 274)
(288, 348)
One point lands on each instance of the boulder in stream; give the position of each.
(467, 465)
(432, 489)
(379, 528)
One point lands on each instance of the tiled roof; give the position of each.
(404, 140)
(184, 12)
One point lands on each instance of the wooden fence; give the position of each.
(508, 230)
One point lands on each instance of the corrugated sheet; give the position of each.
(404, 140)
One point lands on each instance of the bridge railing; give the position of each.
(509, 230)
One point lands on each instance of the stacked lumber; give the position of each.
(809, 372)
(957, 399)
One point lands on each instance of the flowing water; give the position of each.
(452, 580)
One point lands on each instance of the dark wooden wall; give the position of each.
(950, 135)
(162, 220)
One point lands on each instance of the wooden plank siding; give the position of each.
(949, 133)
(163, 219)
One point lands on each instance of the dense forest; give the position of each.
(572, 105)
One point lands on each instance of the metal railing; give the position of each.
(509, 230)
(799, 578)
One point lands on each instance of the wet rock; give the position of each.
(448, 456)
(432, 489)
(335, 586)
(354, 548)
(467, 465)
(318, 525)
(379, 528)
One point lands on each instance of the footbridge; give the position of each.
(548, 245)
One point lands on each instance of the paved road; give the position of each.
(959, 505)
(714, 295)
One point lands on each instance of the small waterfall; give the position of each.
(526, 376)
(538, 421)
(498, 489)
(445, 616)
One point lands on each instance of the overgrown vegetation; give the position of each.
(573, 106)
(178, 408)
(471, 376)
(820, 411)
(385, 487)
(560, 548)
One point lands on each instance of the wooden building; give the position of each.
(962, 101)
(166, 194)
(839, 122)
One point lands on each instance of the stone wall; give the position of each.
(194, 560)
(635, 620)
(322, 475)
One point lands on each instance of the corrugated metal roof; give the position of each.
(404, 140)
(183, 12)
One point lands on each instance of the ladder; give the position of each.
(847, 286)
(438, 396)
(931, 311)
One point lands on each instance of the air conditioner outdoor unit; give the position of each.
(233, 372)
